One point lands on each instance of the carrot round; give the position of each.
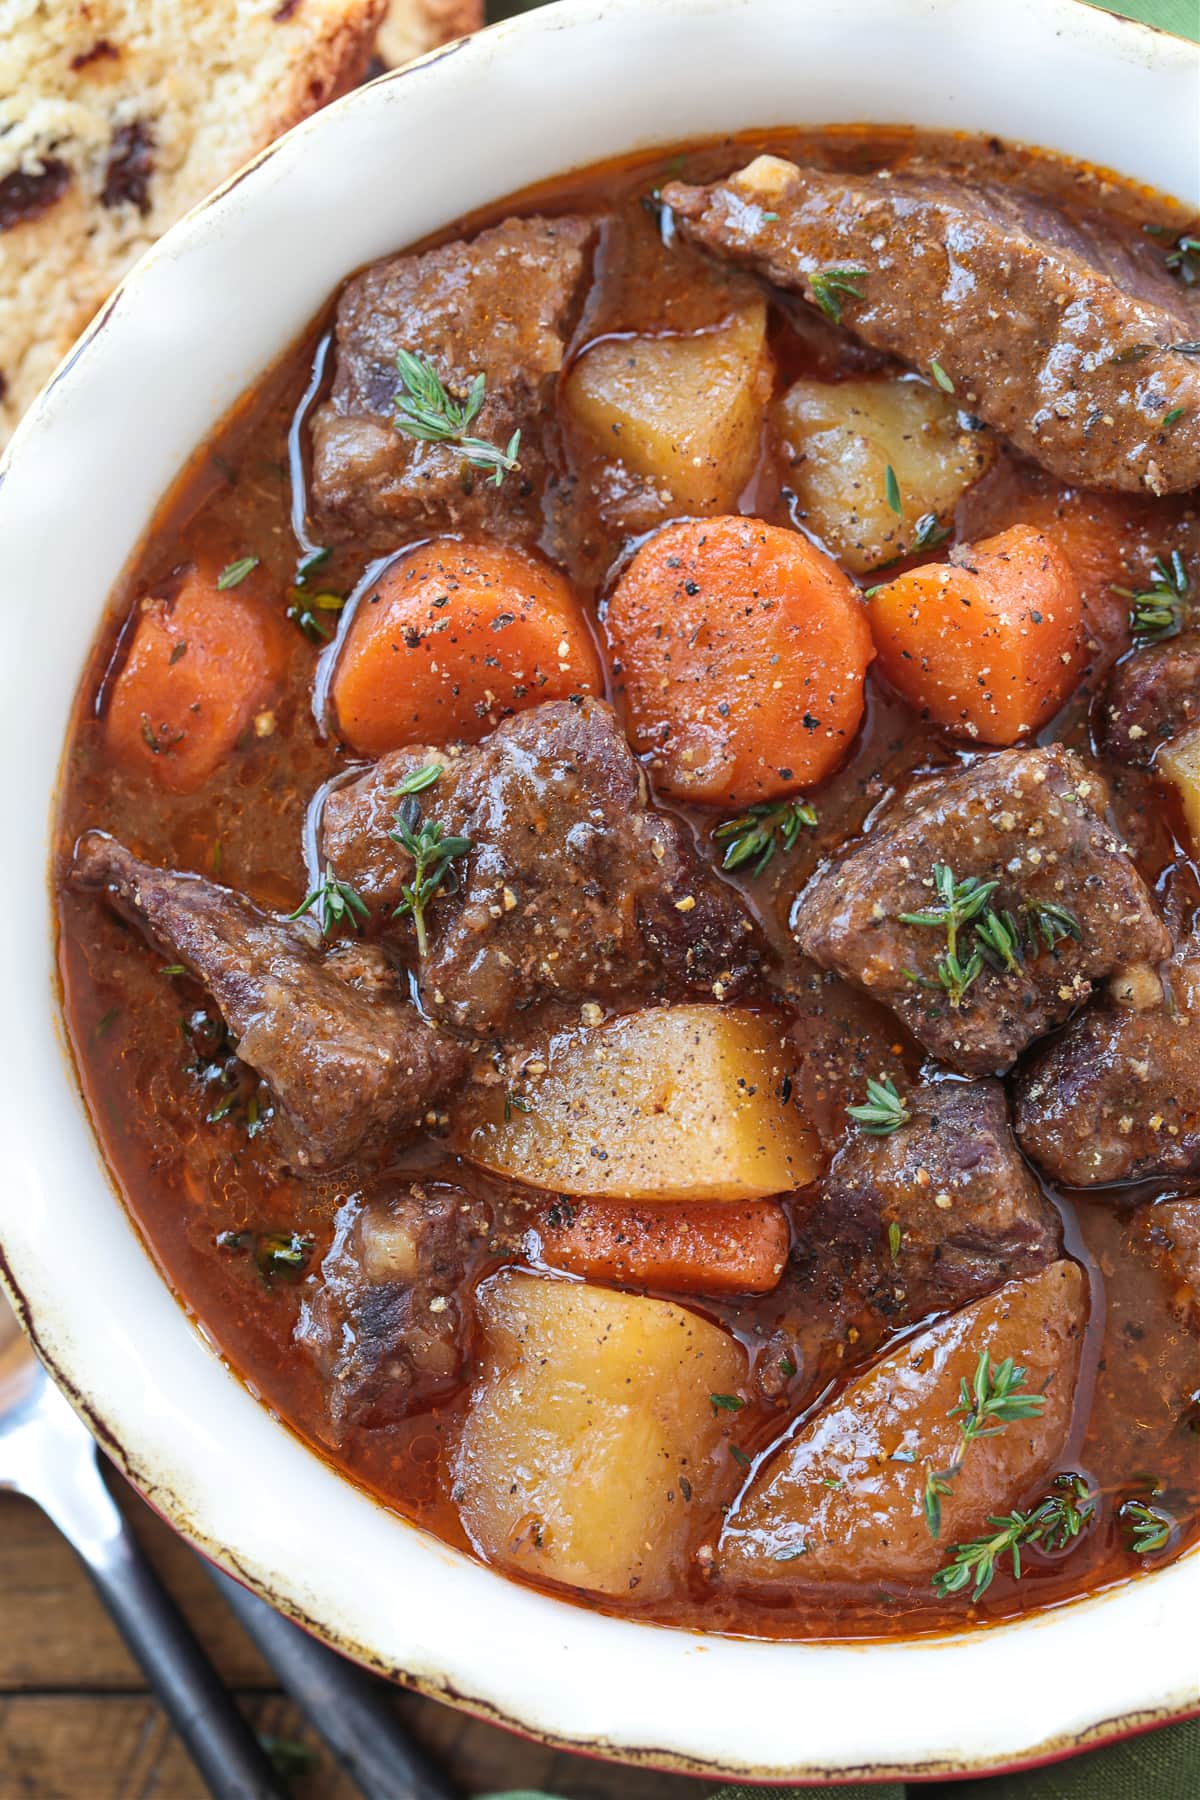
(201, 669)
(451, 639)
(740, 649)
(989, 644)
(717, 1248)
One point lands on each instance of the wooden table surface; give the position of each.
(76, 1721)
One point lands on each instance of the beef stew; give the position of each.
(627, 885)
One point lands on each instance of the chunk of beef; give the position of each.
(952, 1182)
(1117, 1095)
(500, 306)
(1028, 820)
(1153, 696)
(388, 1325)
(1029, 312)
(349, 1061)
(574, 887)
(1171, 1232)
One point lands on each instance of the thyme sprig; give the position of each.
(883, 1111)
(1056, 1521)
(1001, 941)
(1149, 1529)
(1157, 611)
(335, 903)
(433, 853)
(986, 1404)
(829, 286)
(755, 835)
(425, 410)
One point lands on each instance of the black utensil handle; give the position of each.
(216, 1736)
(345, 1703)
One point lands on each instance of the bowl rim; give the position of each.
(164, 1467)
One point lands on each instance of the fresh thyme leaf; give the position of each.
(178, 650)
(956, 976)
(1157, 611)
(237, 571)
(895, 1240)
(433, 854)
(1052, 922)
(1000, 936)
(313, 560)
(1149, 1530)
(739, 1456)
(307, 621)
(790, 1552)
(828, 286)
(991, 1401)
(1183, 258)
(755, 835)
(787, 1367)
(769, 218)
(514, 1103)
(282, 1253)
(1134, 353)
(173, 969)
(940, 376)
(726, 1403)
(938, 1486)
(335, 903)
(883, 1111)
(425, 410)
(1188, 348)
(891, 491)
(418, 781)
(1051, 1525)
(1173, 417)
(927, 532)
(106, 1021)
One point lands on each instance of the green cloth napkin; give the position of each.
(1159, 1765)
(1180, 16)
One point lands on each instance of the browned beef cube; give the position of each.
(1153, 696)
(945, 1201)
(1117, 1096)
(388, 1325)
(349, 1061)
(1171, 1231)
(502, 306)
(574, 888)
(1028, 311)
(1029, 820)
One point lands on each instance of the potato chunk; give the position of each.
(675, 419)
(844, 1500)
(592, 1442)
(840, 440)
(674, 1103)
(1179, 763)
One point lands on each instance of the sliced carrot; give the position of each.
(717, 1248)
(740, 650)
(989, 644)
(453, 638)
(201, 669)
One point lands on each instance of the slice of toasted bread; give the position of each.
(411, 27)
(116, 116)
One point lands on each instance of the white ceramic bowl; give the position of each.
(196, 322)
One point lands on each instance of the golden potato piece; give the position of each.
(676, 419)
(592, 1442)
(1179, 763)
(674, 1103)
(841, 438)
(844, 1501)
